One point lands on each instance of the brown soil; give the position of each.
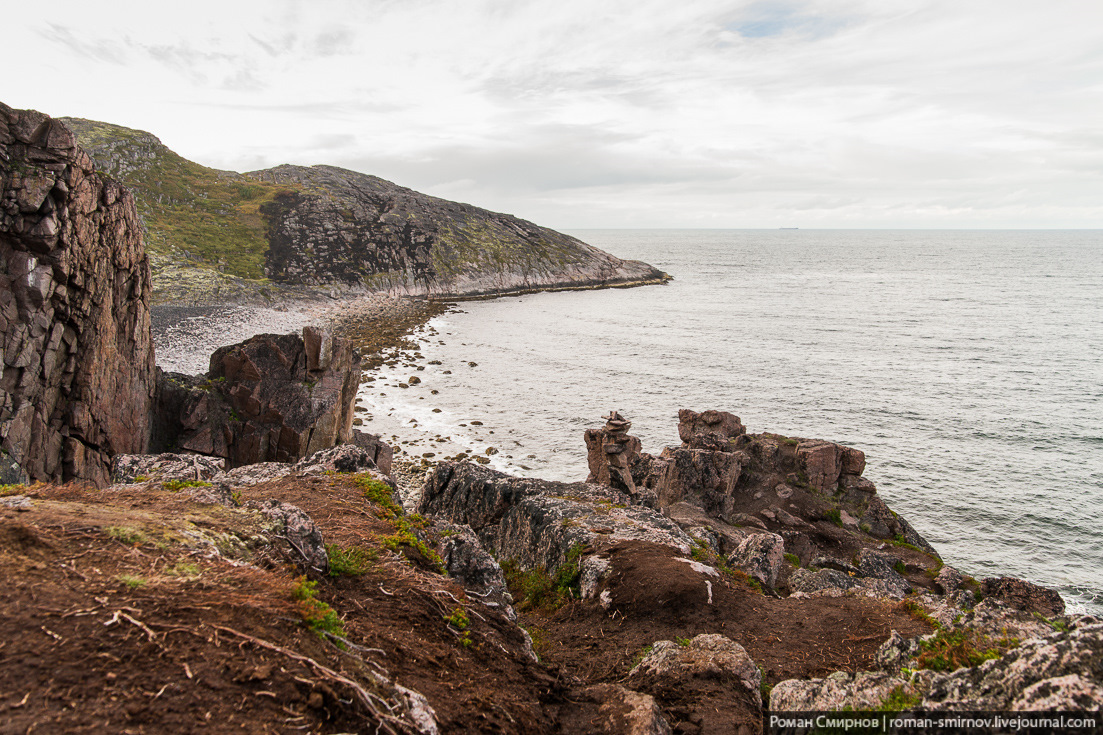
(142, 611)
(655, 597)
(110, 631)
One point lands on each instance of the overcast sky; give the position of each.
(596, 113)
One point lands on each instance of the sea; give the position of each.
(967, 365)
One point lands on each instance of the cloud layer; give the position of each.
(815, 113)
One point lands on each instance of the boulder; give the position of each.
(705, 478)
(711, 676)
(270, 398)
(1023, 595)
(77, 381)
(467, 562)
(881, 565)
(712, 430)
(294, 526)
(380, 451)
(760, 555)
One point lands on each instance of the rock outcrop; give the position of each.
(332, 228)
(78, 376)
(270, 398)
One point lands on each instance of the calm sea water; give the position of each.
(968, 365)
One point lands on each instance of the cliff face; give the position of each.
(78, 371)
(323, 226)
(348, 227)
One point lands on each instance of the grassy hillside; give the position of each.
(191, 212)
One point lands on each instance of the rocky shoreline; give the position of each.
(223, 550)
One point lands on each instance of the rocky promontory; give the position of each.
(219, 234)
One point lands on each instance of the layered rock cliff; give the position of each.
(78, 374)
(323, 226)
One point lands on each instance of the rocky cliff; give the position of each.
(78, 374)
(348, 227)
(324, 226)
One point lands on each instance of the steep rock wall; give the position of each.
(78, 364)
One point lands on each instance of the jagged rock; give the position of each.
(467, 562)
(162, 467)
(948, 580)
(622, 711)
(538, 522)
(214, 494)
(879, 565)
(78, 366)
(595, 570)
(611, 452)
(1037, 672)
(723, 679)
(896, 652)
(1060, 694)
(864, 690)
(1023, 595)
(807, 582)
(688, 516)
(883, 523)
(760, 556)
(712, 430)
(701, 477)
(270, 398)
(380, 451)
(298, 530)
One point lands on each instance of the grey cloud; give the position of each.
(98, 49)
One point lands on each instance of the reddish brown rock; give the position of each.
(78, 365)
(271, 398)
(1023, 595)
(713, 430)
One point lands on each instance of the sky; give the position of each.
(608, 113)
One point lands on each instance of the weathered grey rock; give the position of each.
(595, 570)
(948, 580)
(711, 430)
(538, 522)
(760, 555)
(296, 528)
(689, 517)
(807, 582)
(864, 690)
(883, 523)
(127, 468)
(896, 652)
(466, 561)
(16, 502)
(78, 367)
(828, 562)
(1036, 672)
(10, 471)
(269, 398)
(254, 474)
(881, 565)
(1023, 595)
(341, 458)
